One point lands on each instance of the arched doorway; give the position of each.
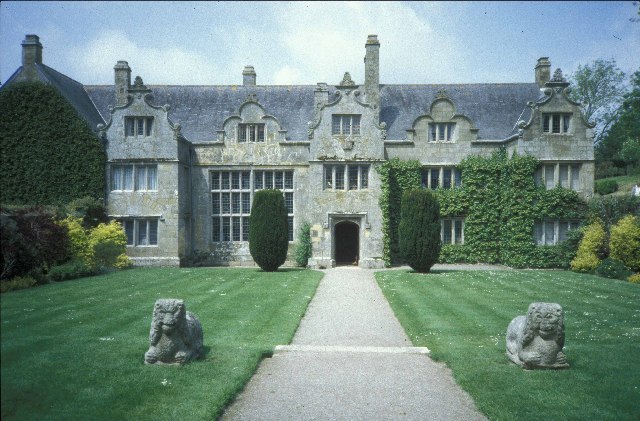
(347, 243)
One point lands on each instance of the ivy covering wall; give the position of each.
(48, 153)
(499, 202)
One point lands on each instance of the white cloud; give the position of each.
(93, 62)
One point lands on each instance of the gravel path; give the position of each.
(351, 360)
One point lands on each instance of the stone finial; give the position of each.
(347, 81)
(536, 340)
(138, 86)
(175, 336)
(557, 76)
(442, 94)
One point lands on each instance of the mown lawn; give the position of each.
(74, 350)
(462, 317)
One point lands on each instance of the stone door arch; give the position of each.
(346, 237)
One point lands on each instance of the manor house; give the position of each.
(184, 162)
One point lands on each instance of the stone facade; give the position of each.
(182, 176)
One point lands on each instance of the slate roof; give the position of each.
(201, 110)
(72, 90)
(494, 108)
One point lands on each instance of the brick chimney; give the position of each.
(122, 81)
(543, 71)
(31, 55)
(248, 76)
(372, 70)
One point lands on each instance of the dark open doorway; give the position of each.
(347, 243)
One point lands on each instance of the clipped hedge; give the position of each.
(606, 186)
(268, 230)
(419, 230)
(48, 154)
(303, 249)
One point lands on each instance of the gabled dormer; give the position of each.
(251, 124)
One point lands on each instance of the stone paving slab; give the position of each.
(351, 360)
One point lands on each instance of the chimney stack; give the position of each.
(122, 81)
(372, 70)
(31, 55)
(248, 76)
(543, 71)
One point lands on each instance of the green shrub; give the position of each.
(48, 153)
(606, 186)
(624, 242)
(613, 269)
(108, 244)
(419, 230)
(91, 211)
(71, 270)
(78, 240)
(303, 248)
(19, 282)
(268, 230)
(593, 242)
(610, 209)
(31, 241)
(634, 279)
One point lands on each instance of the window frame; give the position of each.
(433, 178)
(251, 133)
(540, 230)
(562, 121)
(133, 180)
(133, 227)
(339, 177)
(138, 126)
(441, 132)
(542, 177)
(231, 200)
(346, 124)
(452, 238)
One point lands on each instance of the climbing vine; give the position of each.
(500, 203)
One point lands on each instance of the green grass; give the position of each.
(462, 318)
(625, 184)
(74, 350)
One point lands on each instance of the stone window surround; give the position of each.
(128, 175)
(453, 225)
(251, 132)
(137, 237)
(348, 176)
(345, 124)
(455, 179)
(556, 123)
(557, 228)
(571, 181)
(237, 219)
(138, 126)
(441, 132)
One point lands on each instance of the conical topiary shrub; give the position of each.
(419, 230)
(268, 230)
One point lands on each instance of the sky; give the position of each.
(300, 43)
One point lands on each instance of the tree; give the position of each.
(621, 143)
(48, 153)
(600, 87)
(419, 230)
(268, 230)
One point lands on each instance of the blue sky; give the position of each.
(304, 43)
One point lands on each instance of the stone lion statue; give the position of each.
(176, 334)
(536, 340)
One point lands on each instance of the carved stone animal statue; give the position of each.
(175, 336)
(536, 340)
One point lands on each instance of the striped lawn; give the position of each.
(74, 350)
(462, 317)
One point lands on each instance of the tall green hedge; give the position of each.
(268, 230)
(48, 153)
(500, 203)
(419, 230)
